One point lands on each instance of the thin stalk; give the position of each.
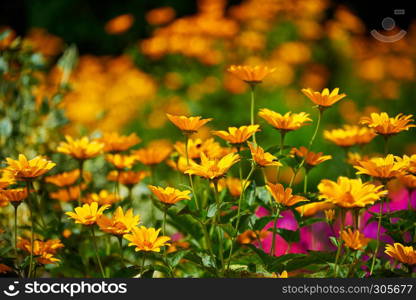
(120, 243)
(305, 182)
(165, 208)
(143, 262)
(190, 176)
(282, 146)
(272, 248)
(340, 244)
(386, 144)
(219, 231)
(378, 236)
(81, 179)
(252, 88)
(28, 186)
(15, 228)
(96, 251)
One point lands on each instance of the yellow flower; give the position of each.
(354, 239)
(102, 198)
(234, 185)
(87, 214)
(261, 158)
(146, 239)
(6, 180)
(382, 168)
(23, 169)
(43, 251)
(325, 98)
(409, 163)
(311, 209)
(286, 122)
(4, 269)
(121, 161)
(67, 194)
(128, 178)
(312, 159)
(64, 179)
(249, 74)
(409, 181)
(350, 136)
(284, 196)
(80, 149)
(284, 274)
(385, 125)
(350, 193)
(180, 164)
(195, 147)
(120, 223)
(113, 142)
(249, 236)
(404, 254)
(169, 195)
(329, 215)
(152, 155)
(213, 168)
(14, 195)
(236, 135)
(188, 125)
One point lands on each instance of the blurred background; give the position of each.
(141, 59)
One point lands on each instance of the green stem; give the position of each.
(94, 240)
(340, 244)
(378, 236)
(15, 228)
(272, 248)
(164, 219)
(120, 242)
(252, 87)
(190, 176)
(81, 179)
(305, 182)
(217, 220)
(282, 146)
(386, 144)
(28, 186)
(143, 262)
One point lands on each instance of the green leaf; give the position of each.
(212, 210)
(207, 260)
(173, 259)
(262, 222)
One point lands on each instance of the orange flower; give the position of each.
(119, 24)
(195, 147)
(387, 126)
(261, 158)
(350, 193)
(181, 164)
(409, 181)
(43, 251)
(23, 169)
(80, 149)
(64, 179)
(284, 196)
(14, 196)
(121, 161)
(311, 209)
(146, 239)
(113, 142)
(160, 16)
(188, 125)
(236, 135)
(234, 185)
(249, 74)
(152, 155)
(169, 195)
(350, 135)
(128, 178)
(67, 194)
(4, 269)
(102, 198)
(286, 122)
(311, 159)
(354, 239)
(382, 168)
(120, 223)
(409, 162)
(329, 215)
(87, 214)
(324, 99)
(213, 168)
(249, 236)
(406, 255)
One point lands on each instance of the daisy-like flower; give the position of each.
(236, 135)
(188, 125)
(180, 164)
(250, 74)
(128, 178)
(325, 98)
(195, 147)
(382, 168)
(23, 169)
(404, 254)
(387, 126)
(262, 158)
(6, 179)
(14, 196)
(213, 168)
(250, 236)
(43, 251)
(349, 193)
(169, 195)
(67, 194)
(4, 269)
(120, 223)
(80, 149)
(64, 179)
(152, 155)
(312, 159)
(113, 142)
(329, 215)
(349, 135)
(233, 185)
(284, 196)
(311, 209)
(121, 161)
(284, 274)
(409, 181)
(104, 197)
(409, 163)
(146, 239)
(287, 122)
(87, 214)
(354, 239)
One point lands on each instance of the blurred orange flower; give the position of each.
(385, 125)
(64, 179)
(382, 168)
(23, 169)
(287, 122)
(169, 195)
(121, 161)
(354, 239)
(160, 16)
(236, 135)
(350, 135)
(114, 142)
(152, 155)
(324, 99)
(119, 24)
(312, 159)
(284, 196)
(128, 178)
(80, 149)
(188, 125)
(249, 74)
(262, 158)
